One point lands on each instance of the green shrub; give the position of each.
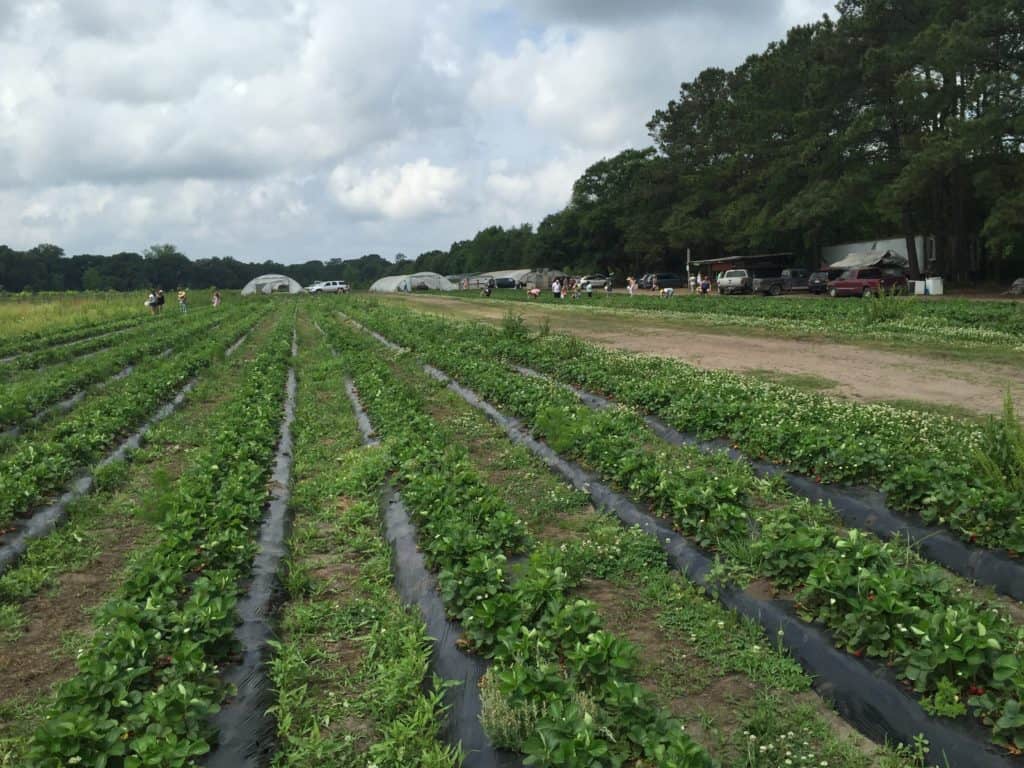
(886, 307)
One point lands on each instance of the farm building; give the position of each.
(420, 281)
(271, 284)
(519, 275)
(863, 259)
(542, 278)
(890, 252)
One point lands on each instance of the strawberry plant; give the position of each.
(878, 598)
(40, 463)
(548, 651)
(147, 682)
(25, 396)
(915, 458)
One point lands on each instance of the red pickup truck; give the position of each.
(867, 282)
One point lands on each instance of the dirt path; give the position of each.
(858, 373)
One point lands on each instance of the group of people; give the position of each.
(565, 287)
(155, 301)
(700, 283)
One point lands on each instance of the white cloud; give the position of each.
(243, 126)
(529, 195)
(596, 87)
(400, 192)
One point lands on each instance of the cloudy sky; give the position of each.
(302, 129)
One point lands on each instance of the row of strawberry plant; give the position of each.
(610, 560)
(44, 356)
(878, 598)
(344, 630)
(39, 464)
(141, 475)
(549, 652)
(949, 471)
(25, 396)
(147, 682)
(30, 342)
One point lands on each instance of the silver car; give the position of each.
(596, 282)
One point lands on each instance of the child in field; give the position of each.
(182, 301)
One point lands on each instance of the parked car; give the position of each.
(818, 281)
(329, 286)
(505, 282)
(660, 280)
(596, 282)
(775, 284)
(867, 282)
(736, 281)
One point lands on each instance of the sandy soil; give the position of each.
(861, 374)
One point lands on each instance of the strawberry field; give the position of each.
(335, 531)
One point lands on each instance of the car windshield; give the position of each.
(850, 274)
(736, 273)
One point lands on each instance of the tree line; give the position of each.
(895, 118)
(46, 268)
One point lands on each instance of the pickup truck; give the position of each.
(328, 286)
(786, 280)
(735, 281)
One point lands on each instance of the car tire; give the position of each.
(867, 293)
(833, 293)
(775, 290)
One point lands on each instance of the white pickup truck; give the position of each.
(328, 286)
(736, 281)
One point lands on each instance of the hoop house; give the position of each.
(420, 281)
(271, 284)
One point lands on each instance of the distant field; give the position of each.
(34, 313)
(982, 326)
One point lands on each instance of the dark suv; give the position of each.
(818, 281)
(867, 282)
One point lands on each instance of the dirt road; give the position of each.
(858, 373)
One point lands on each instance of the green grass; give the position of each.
(66, 549)
(18, 719)
(808, 382)
(11, 623)
(938, 409)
